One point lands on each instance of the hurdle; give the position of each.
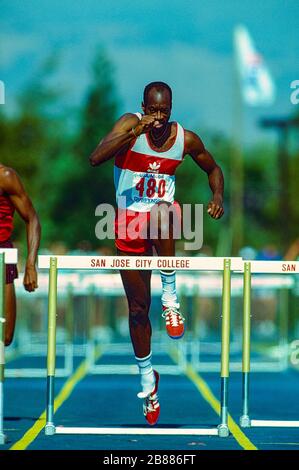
(258, 267)
(54, 263)
(7, 256)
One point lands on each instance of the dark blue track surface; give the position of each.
(110, 400)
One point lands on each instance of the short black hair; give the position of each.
(159, 86)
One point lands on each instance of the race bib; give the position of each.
(149, 188)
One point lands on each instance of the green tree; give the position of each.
(80, 188)
(31, 139)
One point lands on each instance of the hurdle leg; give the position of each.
(283, 308)
(91, 321)
(69, 326)
(223, 430)
(195, 345)
(244, 419)
(51, 352)
(2, 345)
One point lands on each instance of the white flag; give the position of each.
(256, 83)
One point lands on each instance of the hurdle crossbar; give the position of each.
(273, 267)
(258, 267)
(140, 263)
(225, 265)
(7, 256)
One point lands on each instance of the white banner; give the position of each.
(257, 86)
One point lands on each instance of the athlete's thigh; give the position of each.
(137, 284)
(10, 305)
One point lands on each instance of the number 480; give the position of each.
(151, 188)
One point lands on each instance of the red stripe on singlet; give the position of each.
(139, 162)
(6, 218)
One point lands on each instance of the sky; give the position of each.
(187, 43)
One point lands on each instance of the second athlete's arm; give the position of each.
(12, 185)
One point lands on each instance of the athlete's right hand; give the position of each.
(145, 124)
(30, 278)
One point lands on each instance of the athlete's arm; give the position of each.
(12, 185)
(126, 129)
(195, 147)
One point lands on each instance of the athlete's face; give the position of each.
(158, 105)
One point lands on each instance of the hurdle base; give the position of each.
(260, 423)
(138, 431)
(245, 421)
(223, 430)
(3, 439)
(50, 429)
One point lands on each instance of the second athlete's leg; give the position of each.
(10, 312)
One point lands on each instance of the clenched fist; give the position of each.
(145, 124)
(215, 208)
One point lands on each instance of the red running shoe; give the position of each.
(174, 322)
(151, 406)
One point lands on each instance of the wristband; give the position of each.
(134, 132)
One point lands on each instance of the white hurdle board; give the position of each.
(274, 267)
(10, 255)
(200, 263)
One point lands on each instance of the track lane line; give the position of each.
(210, 398)
(62, 396)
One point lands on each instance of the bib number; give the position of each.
(150, 187)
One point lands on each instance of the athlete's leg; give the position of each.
(10, 312)
(166, 223)
(138, 292)
(137, 288)
(165, 246)
(163, 226)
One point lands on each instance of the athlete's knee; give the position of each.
(138, 311)
(164, 210)
(162, 216)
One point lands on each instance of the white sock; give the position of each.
(169, 296)
(146, 374)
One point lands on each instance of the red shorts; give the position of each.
(132, 229)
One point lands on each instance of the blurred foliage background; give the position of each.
(48, 144)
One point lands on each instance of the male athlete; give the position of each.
(13, 197)
(147, 149)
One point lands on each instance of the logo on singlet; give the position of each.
(154, 167)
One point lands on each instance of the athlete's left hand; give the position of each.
(30, 278)
(215, 207)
